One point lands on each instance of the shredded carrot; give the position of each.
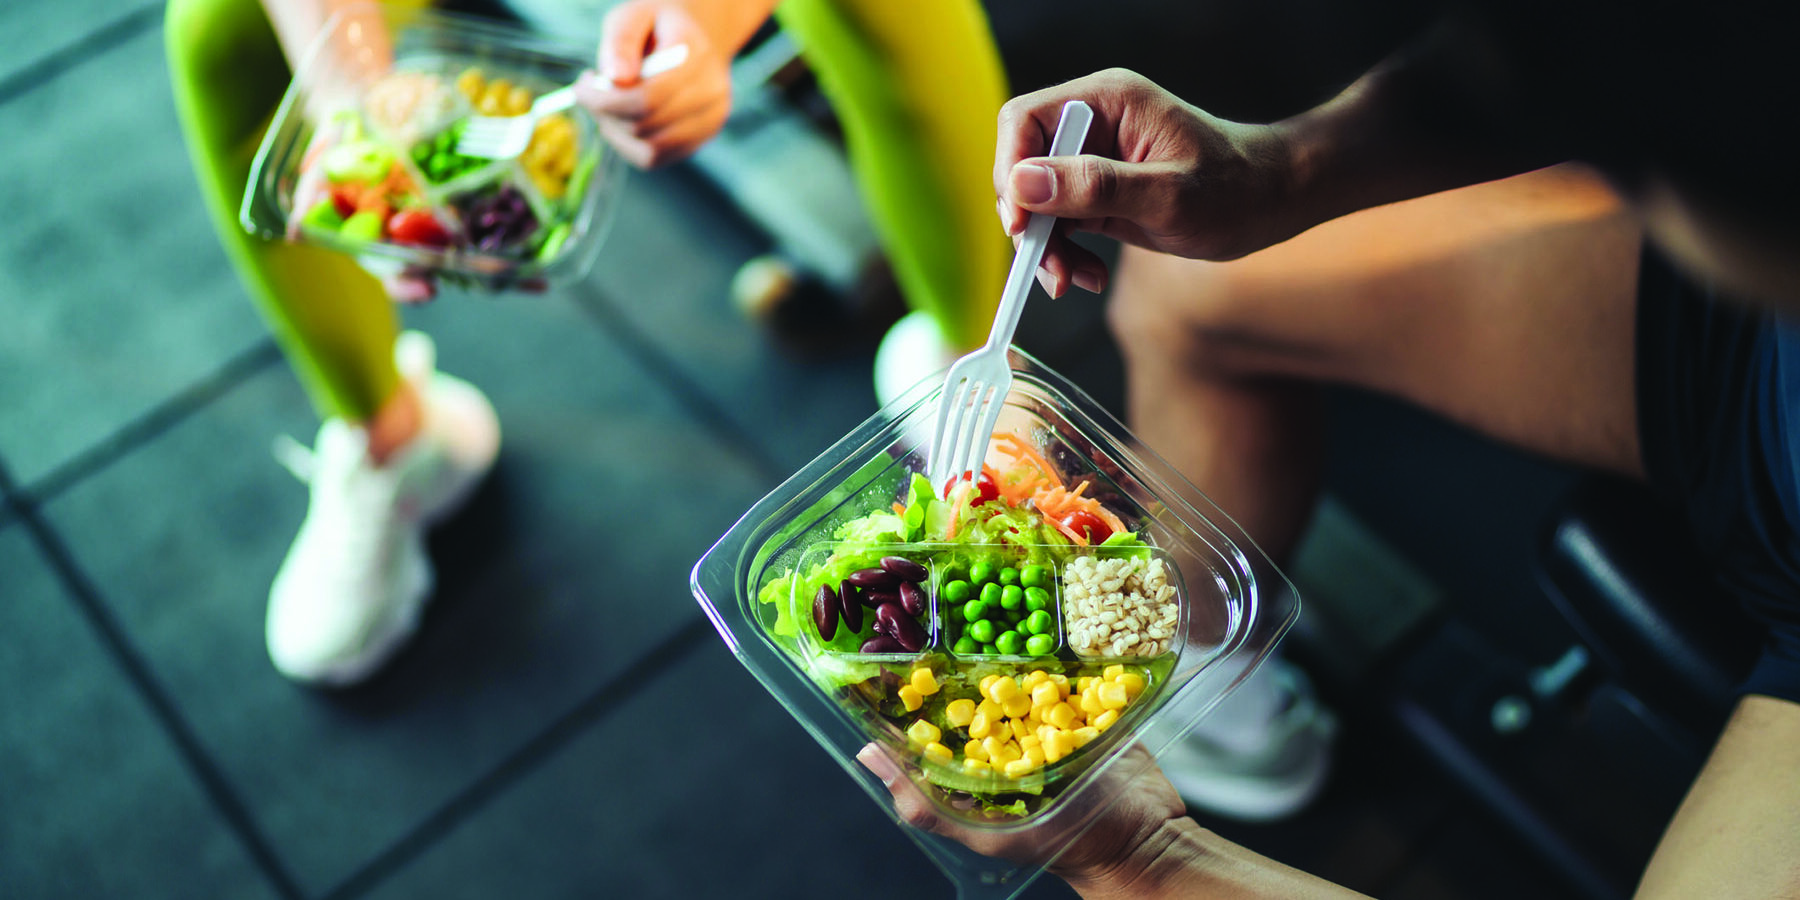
(899, 509)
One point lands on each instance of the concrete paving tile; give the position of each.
(33, 30)
(113, 288)
(569, 564)
(698, 786)
(666, 271)
(97, 801)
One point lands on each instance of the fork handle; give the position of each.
(1071, 133)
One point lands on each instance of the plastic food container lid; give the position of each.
(782, 589)
(392, 85)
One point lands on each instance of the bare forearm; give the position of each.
(1405, 129)
(1183, 861)
(730, 22)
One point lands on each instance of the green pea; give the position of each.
(1034, 576)
(1009, 575)
(1040, 644)
(990, 594)
(982, 630)
(966, 646)
(957, 591)
(951, 571)
(955, 613)
(989, 649)
(1009, 642)
(1039, 623)
(1036, 598)
(1011, 597)
(975, 610)
(981, 572)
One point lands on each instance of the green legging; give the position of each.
(333, 320)
(917, 86)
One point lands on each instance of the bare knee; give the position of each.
(1187, 314)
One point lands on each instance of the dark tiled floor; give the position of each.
(566, 724)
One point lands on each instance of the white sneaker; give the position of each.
(1274, 781)
(352, 587)
(912, 350)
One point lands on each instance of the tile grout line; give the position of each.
(661, 367)
(158, 420)
(90, 45)
(463, 806)
(112, 636)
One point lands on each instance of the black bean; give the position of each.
(904, 568)
(825, 612)
(912, 599)
(882, 644)
(873, 578)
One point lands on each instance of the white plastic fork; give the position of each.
(976, 386)
(504, 137)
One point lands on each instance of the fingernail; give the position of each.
(1033, 184)
(877, 762)
(1088, 281)
(1046, 281)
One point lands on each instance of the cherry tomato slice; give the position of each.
(985, 488)
(417, 226)
(1087, 524)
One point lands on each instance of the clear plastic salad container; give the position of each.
(877, 609)
(361, 155)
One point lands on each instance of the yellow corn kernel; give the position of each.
(1062, 715)
(981, 725)
(1063, 743)
(1106, 719)
(1046, 732)
(924, 732)
(938, 752)
(1134, 684)
(973, 765)
(1053, 753)
(924, 682)
(1003, 689)
(1018, 705)
(518, 101)
(493, 98)
(995, 746)
(1083, 735)
(959, 712)
(1114, 696)
(975, 750)
(1026, 742)
(1062, 683)
(992, 709)
(1081, 684)
(909, 696)
(1019, 768)
(471, 83)
(1034, 754)
(1018, 728)
(1112, 672)
(1044, 694)
(1090, 703)
(1034, 678)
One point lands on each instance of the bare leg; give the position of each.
(1507, 307)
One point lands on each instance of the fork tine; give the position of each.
(976, 444)
(966, 435)
(952, 410)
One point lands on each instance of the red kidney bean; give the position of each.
(825, 612)
(900, 626)
(873, 578)
(882, 644)
(875, 599)
(903, 568)
(847, 593)
(912, 599)
(851, 609)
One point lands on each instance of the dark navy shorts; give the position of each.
(1717, 388)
